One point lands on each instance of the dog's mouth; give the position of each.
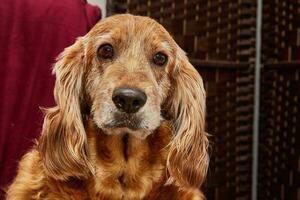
(123, 123)
(119, 123)
(124, 120)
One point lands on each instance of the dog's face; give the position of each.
(127, 79)
(124, 74)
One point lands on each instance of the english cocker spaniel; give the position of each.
(129, 121)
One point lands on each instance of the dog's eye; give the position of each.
(106, 51)
(160, 58)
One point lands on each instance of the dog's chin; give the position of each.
(121, 130)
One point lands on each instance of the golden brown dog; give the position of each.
(129, 121)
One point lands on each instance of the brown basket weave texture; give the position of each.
(281, 30)
(279, 141)
(279, 154)
(229, 120)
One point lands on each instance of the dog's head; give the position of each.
(127, 74)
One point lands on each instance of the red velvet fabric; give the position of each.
(32, 34)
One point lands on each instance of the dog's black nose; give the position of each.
(129, 100)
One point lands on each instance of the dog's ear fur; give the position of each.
(63, 142)
(188, 158)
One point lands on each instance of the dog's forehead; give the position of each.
(126, 26)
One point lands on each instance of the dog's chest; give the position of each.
(127, 167)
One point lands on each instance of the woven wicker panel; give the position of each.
(279, 155)
(229, 121)
(281, 30)
(206, 29)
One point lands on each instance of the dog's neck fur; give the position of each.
(125, 165)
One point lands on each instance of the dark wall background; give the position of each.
(219, 37)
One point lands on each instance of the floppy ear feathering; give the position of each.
(63, 140)
(188, 158)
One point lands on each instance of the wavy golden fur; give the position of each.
(89, 150)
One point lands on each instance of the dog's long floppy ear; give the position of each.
(188, 158)
(63, 142)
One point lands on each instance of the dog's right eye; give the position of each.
(160, 58)
(105, 51)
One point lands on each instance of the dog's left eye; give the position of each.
(106, 51)
(160, 58)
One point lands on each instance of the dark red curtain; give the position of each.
(32, 34)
